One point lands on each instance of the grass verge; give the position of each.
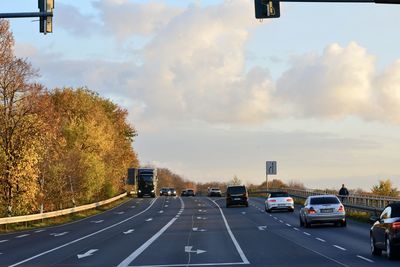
(24, 226)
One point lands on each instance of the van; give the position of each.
(237, 195)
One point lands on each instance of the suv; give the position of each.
(237, 195)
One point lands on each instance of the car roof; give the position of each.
(319, 196)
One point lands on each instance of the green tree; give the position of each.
(385, 188)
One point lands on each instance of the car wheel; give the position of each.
(301, 222)
(391, 253)
(291, 210)
(374, 250)
(307, 224)
(343, 224)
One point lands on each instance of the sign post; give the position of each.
(271, 168)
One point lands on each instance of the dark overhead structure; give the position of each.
(267, 9)
(45, 15)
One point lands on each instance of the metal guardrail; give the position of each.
(367, 203)
(46, 215)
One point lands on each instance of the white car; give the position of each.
(279, 201)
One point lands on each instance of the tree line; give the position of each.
(59, 147)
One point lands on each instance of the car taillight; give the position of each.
(396, 225)
(341, 208)
(311, 211)
(289, 200)
(271, 200)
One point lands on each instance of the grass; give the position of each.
(24, 226)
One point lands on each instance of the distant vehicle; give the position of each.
(322, 209)
(172, 191)
(385, 233)
(145, 180)
(279, 201)
(183, 193)
(214, 192)
(164, 191)
(189, 193)
(237, 195)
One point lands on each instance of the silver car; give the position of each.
(322, 209)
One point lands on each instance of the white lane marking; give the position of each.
(262, 228)
(119, 212)
(243, 212)
(87, 254)
(188, 249)
(238, 248)
(366, 259)
(21, 236)
(297, 229)
(280, 221)
(98, 221)
(320, 239)
(196, 264)
(161, 211)
(166, 206)
(132, 207)
(129, 231)
(4, 240)
(339, 247)
(275, 218)
(195, 229)
(84, 237)
(149, 219)
(59, 234)
(288, 225)
(306, 233)
(39, 231)
(143, 247)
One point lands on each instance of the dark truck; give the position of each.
(145, 180)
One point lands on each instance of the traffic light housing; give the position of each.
(266, 9)
(46, 22)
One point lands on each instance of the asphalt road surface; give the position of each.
(191, 231)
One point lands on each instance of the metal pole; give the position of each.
(266, 178)
(26, 15)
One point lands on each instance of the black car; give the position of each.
(237, 195)
(165, 191)
(189, 193)
(183, 193)
(172, 191)
(385, 233)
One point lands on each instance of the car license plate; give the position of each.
(281, 205)
(326, 210)
(236, 198)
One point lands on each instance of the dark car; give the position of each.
(385, 233)
(172, 191)
(164, 191)
(237, 195)
(189, 193)
(183, 193)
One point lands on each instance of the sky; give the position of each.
(214, 92)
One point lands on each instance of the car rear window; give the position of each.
(236, 190)
(279, 194)
(324, 200)
(395, 210)
(189, 191)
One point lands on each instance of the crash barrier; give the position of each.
(51, 214)
(368, 203)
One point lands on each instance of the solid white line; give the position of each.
(20, 236)
(144, 246)
(366, 259)
(238, 248)
(193, 264)
(320, 239)
(84, 237)
(339, 247)
(306, 233)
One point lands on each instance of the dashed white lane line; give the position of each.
(297, 229)
(339, 247)
(4, 240)
(320, 239)
(306, 233)
(39, 231)
(363, 258)
(280, 221)
(288, 225)
(275, 218)
(21, 236)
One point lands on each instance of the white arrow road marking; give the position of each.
(129, 231)
(39, 231)
(59, 234)
(262, 228)
(99, 221)
(119, 212)
(20, 236)
(188, 249)
(4, 240)
(161, 211)
(149, 219)
(87, 253)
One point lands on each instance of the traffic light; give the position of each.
(266, 9)
(46, 22)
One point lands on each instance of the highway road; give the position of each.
(190, 231)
